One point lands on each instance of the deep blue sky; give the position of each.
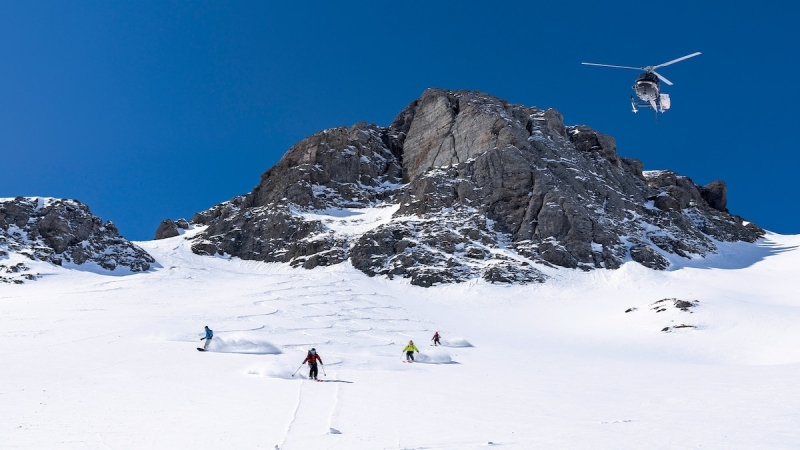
(148, 110)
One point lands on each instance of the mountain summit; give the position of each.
(462, 185)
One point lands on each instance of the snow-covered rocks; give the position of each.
(675, 314)
(171, 228)
(15, 273)
(481, 188)
(64, 232)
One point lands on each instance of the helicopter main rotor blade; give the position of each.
(676, 60)
(662, 78)
(617, 67)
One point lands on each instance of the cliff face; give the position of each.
(480, 187)
(64, 231)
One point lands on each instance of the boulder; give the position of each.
(716, 195)
(648, 257)
(167, 229)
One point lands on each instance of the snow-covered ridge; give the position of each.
(62, 232)
(41, 202)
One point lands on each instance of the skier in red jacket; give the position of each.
(436, 338)
(312, 359)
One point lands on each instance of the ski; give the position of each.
(201, 349)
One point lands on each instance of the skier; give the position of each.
(312, 359)
(410, 349)
(436, 338)
(209, 335)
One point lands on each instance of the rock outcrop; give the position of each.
(480, 188)
(65, 231)
(15, 273)
(170, 228)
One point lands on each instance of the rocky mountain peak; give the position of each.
(475, 186)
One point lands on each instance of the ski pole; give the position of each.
(298, 369)
(323, 370)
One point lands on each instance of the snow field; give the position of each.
(94, 361)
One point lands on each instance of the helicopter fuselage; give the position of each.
(647, 87)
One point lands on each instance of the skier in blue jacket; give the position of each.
(209, 335)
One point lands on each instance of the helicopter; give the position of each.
(647, 86)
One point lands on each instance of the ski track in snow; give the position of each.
(310, 425)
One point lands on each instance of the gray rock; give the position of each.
(339, 167)
(510, 272)
(59, 230)
(666, 203)
(684, 305)
(716, 195)
(648, 257)
(453, 127)
(167, 229)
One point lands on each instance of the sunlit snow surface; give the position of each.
(351, 221)
(96, 361)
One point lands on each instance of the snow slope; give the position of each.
(96, 361)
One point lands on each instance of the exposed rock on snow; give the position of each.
(673, 310)
(15, 273)
(169, 228)
(683, 305)
(677, 327)
(65, 231)
(483, 188)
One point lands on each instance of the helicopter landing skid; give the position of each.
(652, 104)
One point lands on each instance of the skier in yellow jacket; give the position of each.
(410, 349)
